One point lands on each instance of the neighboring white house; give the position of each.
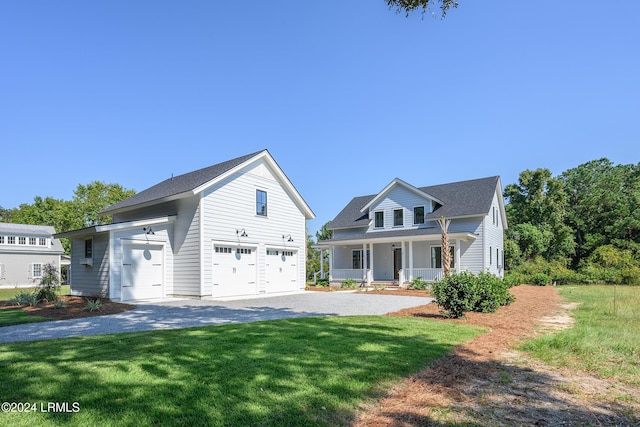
(393, 236)
(24, 251)
(233, 229)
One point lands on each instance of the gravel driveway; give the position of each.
(183, 313)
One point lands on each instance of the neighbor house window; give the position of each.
(11, 240)
(37, 271)
(436, 256)
(418, 215)
(261, 202)
(2, 240)
(379, 219)
(32, 241)
(42, 241)
(88, 248)
(398, 217)
(22, 240)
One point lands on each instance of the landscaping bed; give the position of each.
(74, 308)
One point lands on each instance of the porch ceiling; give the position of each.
(420, 234)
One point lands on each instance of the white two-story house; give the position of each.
(394, 237)
(233, 229)
(24, 251)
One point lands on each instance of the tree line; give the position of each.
(64, 215)
(580, 226)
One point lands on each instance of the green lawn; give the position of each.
(601, 342)
(16, 317)
(8, 293)
(299, 372)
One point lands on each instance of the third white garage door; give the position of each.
(234, 271)
(281, 270)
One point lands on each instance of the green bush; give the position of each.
(455, 294)
(459, 293)
(418, 283)
(540, 279)
(349, 284)
(322, 283)
(94, 304)
(23, 298)
(49, 284)
(491, 293)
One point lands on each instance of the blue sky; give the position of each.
(346, 94)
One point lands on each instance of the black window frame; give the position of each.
(261, 203)
(418, 216)
(398, 220)
(88, 248)
(379, 224)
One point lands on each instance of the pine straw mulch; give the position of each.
(75, 308)
(485, 382)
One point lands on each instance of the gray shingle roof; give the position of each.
(180, 184)
(463, 198)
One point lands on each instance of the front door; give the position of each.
(397, 263)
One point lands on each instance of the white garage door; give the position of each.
(281, 270)
(142, 271)
(234, 271)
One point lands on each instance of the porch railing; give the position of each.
(426, 274)
(344, 274)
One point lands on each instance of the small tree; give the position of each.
(49, 284)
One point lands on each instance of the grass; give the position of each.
(296, 372)
(16, 317)
(601, 342)
(8, 293)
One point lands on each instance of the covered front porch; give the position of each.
(391, 260)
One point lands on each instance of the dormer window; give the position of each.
(379, 219)
(398, 218)
(418, 215)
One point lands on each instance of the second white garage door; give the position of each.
(281, 270)
(234, 271)
(142, 272)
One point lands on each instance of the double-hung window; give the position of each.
(398, 217)
(261, 203)
(418, 215)
(36, 270)
(379, 219)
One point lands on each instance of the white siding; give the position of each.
(186, 248)
(494, 239)
(93, 279)
(16, 267)
(230, 205)
(398, 198)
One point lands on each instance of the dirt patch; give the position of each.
(484, 382)
(75, 308)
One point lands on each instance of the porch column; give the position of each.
(322, 263)
(410, 260)
(456, 255)
(364, 262)
(371, 262)
(331, 262)
(404, 263)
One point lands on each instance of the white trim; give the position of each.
(289, 188)
(398, 182)
(463, 235)
(202, 243)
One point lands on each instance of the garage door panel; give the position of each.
(234, 271)
(142, 272)
(281, 270)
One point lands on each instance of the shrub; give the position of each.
(349, 284)
(22, 298)
(49, 284)
(540, 279)
(322, 283)
(418, 283)
(59, 304)
(455, 294)
(491, 293)
(94, 304)
(459, 293)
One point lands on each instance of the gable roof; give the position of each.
(397, 183)
(29, 230)
(194, 182)
(457, 199)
